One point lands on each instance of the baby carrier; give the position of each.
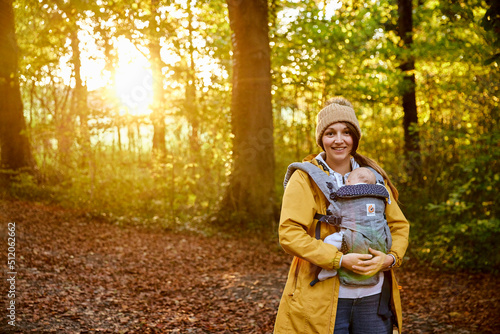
(358, 209)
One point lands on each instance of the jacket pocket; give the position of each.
(295, 277)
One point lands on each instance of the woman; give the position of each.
(328, 306)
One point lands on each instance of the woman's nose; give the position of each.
(337, 138)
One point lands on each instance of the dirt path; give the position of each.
(82, 275)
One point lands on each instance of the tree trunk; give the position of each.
(14, 144)
(250, 196)
(410, 119)
(191, 105)
(79, 98)
(158, 113)
(65, 130)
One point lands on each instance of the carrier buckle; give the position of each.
(332, 220)
(329, 219)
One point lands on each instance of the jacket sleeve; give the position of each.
(297, 224)
(400, 230)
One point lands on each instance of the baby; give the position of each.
(359, 175)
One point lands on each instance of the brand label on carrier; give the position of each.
(370, 209)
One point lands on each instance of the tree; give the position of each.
(191, 105)
(79, 96)
(74, 11)
(158, 114)
(410, 119)
(250, 194)
(14, 144)
(491, 22)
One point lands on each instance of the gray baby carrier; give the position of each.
(359, 210)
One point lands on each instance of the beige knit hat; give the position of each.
(337, 109)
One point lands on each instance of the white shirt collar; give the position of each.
(341, 179)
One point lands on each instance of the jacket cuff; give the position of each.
(397, 259)
(337, 260)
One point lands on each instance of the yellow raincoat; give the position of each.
(306, 309)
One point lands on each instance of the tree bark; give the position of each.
(191, 103)
(410, 119)
(14, 144)
(250, 196)
(158, 113)
(79, 98)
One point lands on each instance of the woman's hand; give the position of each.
(349, 261)
(367, 264)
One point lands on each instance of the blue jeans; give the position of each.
(360, 316)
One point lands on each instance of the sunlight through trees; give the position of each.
(141, 110)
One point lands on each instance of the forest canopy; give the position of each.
(129, 109)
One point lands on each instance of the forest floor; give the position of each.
(77, 274)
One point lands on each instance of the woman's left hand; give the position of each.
(370, 267)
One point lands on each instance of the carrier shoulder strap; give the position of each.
(319, 177)
(327, 186)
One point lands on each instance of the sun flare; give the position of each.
(133, 79)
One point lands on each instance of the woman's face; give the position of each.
(338, 143)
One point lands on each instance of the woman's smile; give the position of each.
(338, 143)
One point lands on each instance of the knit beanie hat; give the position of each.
(337, 110)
